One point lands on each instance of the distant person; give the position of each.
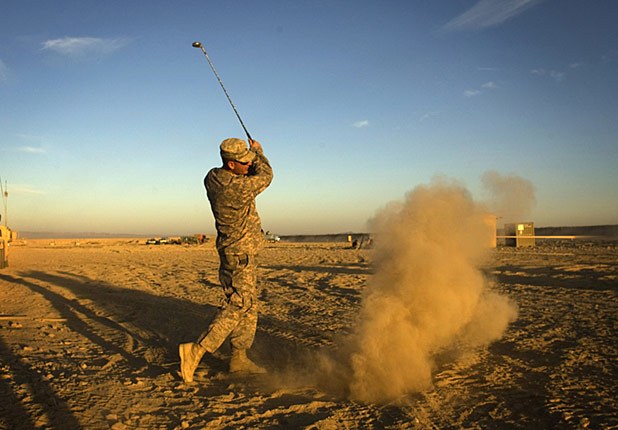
(231, 190)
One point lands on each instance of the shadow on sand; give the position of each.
(141, 328)
(27, 395)
(584, 279)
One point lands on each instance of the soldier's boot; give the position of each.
(190, 355)
(240, 363)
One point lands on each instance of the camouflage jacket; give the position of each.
(232, 200)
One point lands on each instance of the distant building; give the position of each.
(519, 234)
(6, 236)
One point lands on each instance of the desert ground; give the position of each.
(89, 331)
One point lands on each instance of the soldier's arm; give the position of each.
(263, 172)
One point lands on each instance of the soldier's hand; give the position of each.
(255, 145)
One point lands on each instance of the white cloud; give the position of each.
(557, 76)
(554, 74)
(361, 124)
(428, 115)
(79, 46)
(576, 65)
(491, 85)
(24, 189)
(488, 13)
(31, 150)
(4, 72)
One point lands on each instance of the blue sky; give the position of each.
(109, 118)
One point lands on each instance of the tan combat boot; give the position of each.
(190, 356)
(240, 363)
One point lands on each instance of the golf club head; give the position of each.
(196, 44)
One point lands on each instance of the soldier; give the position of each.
(232, 189)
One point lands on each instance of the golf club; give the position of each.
(200, 46)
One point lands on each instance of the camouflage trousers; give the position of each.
(237, 317)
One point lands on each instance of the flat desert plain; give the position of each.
(89, 332)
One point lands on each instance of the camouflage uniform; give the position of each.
(239, 237)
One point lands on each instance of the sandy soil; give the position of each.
(89, 333)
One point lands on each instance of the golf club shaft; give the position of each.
(212, 66)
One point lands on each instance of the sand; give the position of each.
(89, 332)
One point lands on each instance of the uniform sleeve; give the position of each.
(246, 188)
(263, 175)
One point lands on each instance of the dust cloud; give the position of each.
(510, 197)
(427, 295)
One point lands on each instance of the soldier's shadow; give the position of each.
(143, 328)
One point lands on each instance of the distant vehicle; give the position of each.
(193, 240)
(271, 237)
(178, 240)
